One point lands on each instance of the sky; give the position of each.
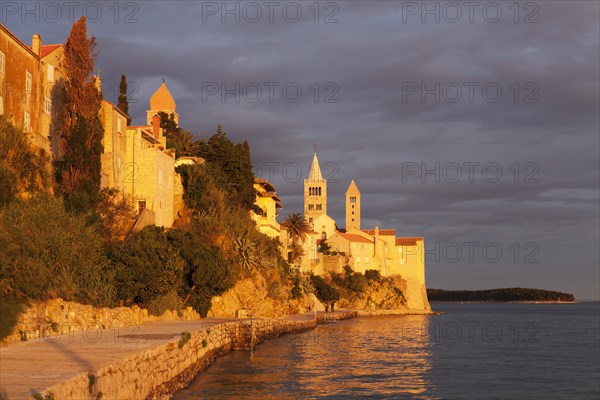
(472, 124)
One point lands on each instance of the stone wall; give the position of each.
(60, 317)
(159, 372)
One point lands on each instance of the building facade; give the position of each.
(362, 249)
(28, 75)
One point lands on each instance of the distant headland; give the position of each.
(500, 295)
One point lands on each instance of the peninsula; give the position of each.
(500, 295)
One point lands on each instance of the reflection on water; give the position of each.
(379, 356)
(472, 351)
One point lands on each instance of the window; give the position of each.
(352, 212)
(319, 207)
(352, 199)
(27, 122)
(319, 191)
(119, 128)
(28, 81)
(311, 207)
(352, 205)
(2, 63)
(48, 106)
(141, 206)
(1, 105)
(50, 73)
(357, 259)
(310, 220)
(366, 259)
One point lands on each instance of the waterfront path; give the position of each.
(37, 364)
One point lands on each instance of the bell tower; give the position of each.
(352, 207)
(162, 100)
(315, 192)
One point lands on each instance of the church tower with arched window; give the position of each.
(315, 192)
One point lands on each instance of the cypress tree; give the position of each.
(80, 125)
(123, 103)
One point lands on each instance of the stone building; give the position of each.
(115, 165)
(28, 75)
(150, 170)
(270, 204)
(315, 192)
(361, 249)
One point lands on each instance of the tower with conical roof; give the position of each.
(315, 192)
(162, 100)
(352, 207)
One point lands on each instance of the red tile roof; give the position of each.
(408, 241)
(352, 237)
(48, 48)
(383, 232)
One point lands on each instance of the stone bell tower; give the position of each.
(315, 192)
(352, 207)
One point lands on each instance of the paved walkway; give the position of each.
(39, 364)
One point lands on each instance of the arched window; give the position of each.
(319, 191)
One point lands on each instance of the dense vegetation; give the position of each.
(78, 121)
(500, 295)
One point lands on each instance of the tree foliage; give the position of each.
(146, 266)
(231, 168)
(123, 101)
(80, 125)
(49, 252)
(501, 295)
(207, 272)
(324, 291)
(297, 226)
(21, 168)
(181, 140)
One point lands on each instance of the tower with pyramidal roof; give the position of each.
(315, 192)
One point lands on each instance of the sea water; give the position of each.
(471, 351)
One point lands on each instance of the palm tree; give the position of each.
(246, 253)
(185, 143)
(297, 226)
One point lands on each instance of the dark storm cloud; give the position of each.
(374, 55)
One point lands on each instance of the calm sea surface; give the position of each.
(472, 351)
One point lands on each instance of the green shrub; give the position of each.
(324, 291)
(357, 282)
(170, 301)
(146, 266)
(9, 315)
(185, 337)
(49, 252)
(373, 275)
(21, 168)
(206, 273)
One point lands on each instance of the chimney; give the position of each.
(36, 44)
(156, 126)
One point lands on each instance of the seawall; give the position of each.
(151, 362)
